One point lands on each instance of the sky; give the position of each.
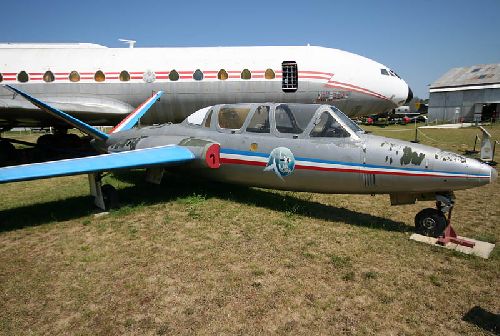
(419, 39)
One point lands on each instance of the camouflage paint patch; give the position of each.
(410, 156)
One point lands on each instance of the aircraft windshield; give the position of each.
(197, 117)
(348, 122)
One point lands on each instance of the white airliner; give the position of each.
(100, 85)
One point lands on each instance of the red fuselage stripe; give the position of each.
(339, 170)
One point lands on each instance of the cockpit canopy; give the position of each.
(281, 120)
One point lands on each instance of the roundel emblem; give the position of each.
(149, 76)
(281, 161)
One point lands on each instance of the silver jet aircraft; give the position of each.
(300, 147)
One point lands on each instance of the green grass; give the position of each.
(195, 257)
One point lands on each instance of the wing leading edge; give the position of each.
(139, 158)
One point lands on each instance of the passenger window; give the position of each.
(222, 75)
(48, 76)
(246, 74)
(124, 76)
(99, 76)
(260, 120)
(269, 74)
(208, 121)
(23, 77)
(327, 127)
(198, 75)
(74, 76)
(232, 117)
(173, 75)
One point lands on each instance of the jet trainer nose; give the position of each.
(410, 96)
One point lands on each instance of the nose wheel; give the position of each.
(434, 222)
(430, 222)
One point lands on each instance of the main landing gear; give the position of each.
(7, 153)
(105, 196)
(434, 222)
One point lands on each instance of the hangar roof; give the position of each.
(476, 75)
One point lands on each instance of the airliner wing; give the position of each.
(15, 111)
(140, 158)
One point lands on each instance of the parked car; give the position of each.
(420, 118)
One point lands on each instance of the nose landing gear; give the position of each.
(434, 222)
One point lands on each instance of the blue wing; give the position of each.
(139, 158)
(93, 132)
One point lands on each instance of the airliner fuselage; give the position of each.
(100, 85)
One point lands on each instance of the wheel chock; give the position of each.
(450, 236)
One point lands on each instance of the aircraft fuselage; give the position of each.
(101, 85)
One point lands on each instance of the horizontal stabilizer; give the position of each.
(134, 117)
(140, 158)
(85, 128)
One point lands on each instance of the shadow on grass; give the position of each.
(483, 319)
(174, 187)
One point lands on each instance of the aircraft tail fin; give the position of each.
(134, 117)
(87, 129)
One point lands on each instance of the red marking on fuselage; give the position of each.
(345, 170)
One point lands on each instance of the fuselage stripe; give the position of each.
(304, 75)
(231, 156)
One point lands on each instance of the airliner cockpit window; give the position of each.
(260, 120)
(291, 118)
(384, 72)
(327, 127)
(232, 117)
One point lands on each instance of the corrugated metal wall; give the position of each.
(443, 105)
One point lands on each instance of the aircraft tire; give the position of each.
(430, 222)
(7, 152)
(46, 140)
(67, 141)
(110, 197)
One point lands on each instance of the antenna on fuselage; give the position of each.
(131, 43)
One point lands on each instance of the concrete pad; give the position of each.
(481, 249)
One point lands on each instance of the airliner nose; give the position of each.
(493, 175)
(410, 96)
